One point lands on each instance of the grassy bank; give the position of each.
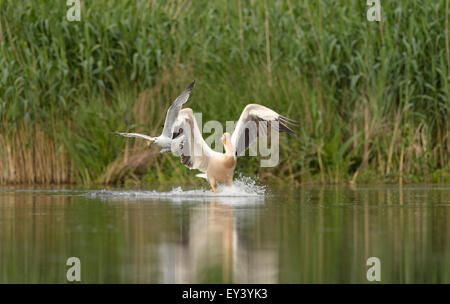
(372, 98)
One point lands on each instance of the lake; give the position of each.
(249, 234)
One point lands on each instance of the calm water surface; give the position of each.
(286, 235)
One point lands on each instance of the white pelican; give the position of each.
(165, 139)
(219, 167)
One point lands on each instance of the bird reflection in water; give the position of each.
(211, 249)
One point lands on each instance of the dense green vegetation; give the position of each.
(372, 98)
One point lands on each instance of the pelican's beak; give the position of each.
(224, 141)
(149, 143)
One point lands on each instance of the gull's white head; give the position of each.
(151, 141)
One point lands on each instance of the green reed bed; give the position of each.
(372, 99)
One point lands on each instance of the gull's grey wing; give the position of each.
(135, 135)
(174, 109)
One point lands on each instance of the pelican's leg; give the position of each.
(212, 182)
(229, 182)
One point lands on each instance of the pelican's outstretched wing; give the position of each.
(253, 122)
(174, 109)
(135, 135)
(188, 143)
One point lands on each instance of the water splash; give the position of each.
(243, 188)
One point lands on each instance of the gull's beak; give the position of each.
(149, 142)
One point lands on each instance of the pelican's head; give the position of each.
(226, 140)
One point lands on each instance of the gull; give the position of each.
(165, 139)
(218, 167)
